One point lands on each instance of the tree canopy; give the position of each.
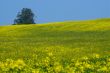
(26, 16)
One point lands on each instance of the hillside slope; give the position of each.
(64, 39)
(90, 25)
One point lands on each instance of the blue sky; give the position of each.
(55, 10)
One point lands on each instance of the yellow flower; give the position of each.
(58, 68)
(85, 58)
(108, 59)
(50, 54)
(103, 69)
(96, 55)
(35, 71)
(77, 63)
(88, 65)
(20, 62)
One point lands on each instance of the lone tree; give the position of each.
(26, 16)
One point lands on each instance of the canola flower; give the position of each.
(94, 64)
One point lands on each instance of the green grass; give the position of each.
(66, 40)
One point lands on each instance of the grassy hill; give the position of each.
(61, 47)
(66, 40)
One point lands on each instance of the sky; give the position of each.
(55, 10)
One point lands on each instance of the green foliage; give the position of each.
(49, 64)
(26, 16)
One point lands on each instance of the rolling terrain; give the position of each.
(61, 47)
(66, 40)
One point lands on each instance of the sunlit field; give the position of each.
(61, 47)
